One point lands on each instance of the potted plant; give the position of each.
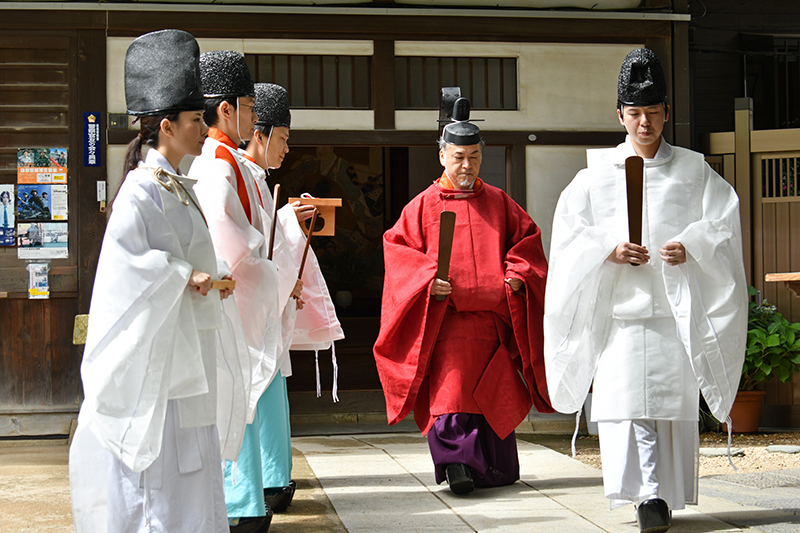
(773, 349)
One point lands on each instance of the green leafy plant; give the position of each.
(773, 345)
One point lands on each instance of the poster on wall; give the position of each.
(7, 215)
(41, 165)
(42, 240)
(42, 202)
(38, 281)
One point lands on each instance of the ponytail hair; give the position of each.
(150, 128)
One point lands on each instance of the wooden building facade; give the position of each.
(361, 80)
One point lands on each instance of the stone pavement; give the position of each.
(777, 493)
(383, 482)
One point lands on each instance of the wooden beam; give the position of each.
(744, 188)
(681, 112)
(91, 89)
(722, 143)
(394, 27)
(383, 84)
(774, 140)
(423, 137)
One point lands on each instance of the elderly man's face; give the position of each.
(462, 163)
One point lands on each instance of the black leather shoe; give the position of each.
(279, 498)
(653, 516)
(459, 478)
(255, 524)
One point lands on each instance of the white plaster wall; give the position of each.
(549, 170)
(115, 72)
(301, 118)
(562, 87)
(116, 158)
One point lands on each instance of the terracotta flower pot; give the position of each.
(746, 411)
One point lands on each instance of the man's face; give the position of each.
(462, 163)
(247, 117)
(644, 124)
(278, 146)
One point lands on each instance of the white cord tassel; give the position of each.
(335, 373)
(316, 363)
(575, 435)
(234, 473)
(146, 499)
(729, 422)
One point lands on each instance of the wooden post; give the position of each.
(383, 84)
(680, 112)
(744, 187)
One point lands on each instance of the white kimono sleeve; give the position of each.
(138, 293)
(578, 296)
(708, 295)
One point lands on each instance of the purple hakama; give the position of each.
(467, 438)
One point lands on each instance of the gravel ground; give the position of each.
(756, 457)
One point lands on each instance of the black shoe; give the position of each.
(279, 498)
(653, 516)
(459, 478)
(255, 524)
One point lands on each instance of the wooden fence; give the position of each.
(764, 167)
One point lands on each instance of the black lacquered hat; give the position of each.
(641, 79)
(461, 132)
(272, 105)
(162, 74)
(224, 74)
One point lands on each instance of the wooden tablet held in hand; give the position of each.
(447, 225)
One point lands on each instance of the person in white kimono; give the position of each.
(313, 326)
(146, 453)
(233, 206)
(651, 325)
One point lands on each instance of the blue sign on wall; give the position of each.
(91, 139)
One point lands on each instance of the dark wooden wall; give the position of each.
(717, 60)
(48, 79)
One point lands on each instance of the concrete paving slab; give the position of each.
(771, 499)
(381, 483)
(384, 483)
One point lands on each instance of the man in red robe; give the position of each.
(470, 366)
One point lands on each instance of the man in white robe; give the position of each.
(650, 325)
(230, 199)
(309, 324)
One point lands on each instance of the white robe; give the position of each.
(241, 242)
(151, 350)
(590, 302)
(316, 326)
(652, 336)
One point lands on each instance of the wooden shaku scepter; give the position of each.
(634, 179)
(447, 225)
(275, 193)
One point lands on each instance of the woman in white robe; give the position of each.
(146, 456)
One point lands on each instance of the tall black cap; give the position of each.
(641, 79)
(272, 105)
(447, 98)
(461, 132)
(162, 74)
(224, 74)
